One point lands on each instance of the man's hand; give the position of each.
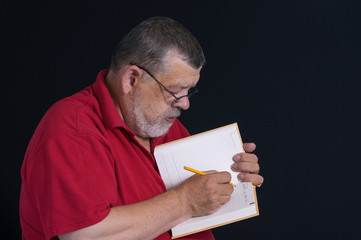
(203, 195)
(247, 165)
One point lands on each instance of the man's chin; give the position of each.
(155, 131)
(163, 130)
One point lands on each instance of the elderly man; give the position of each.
(89, 171)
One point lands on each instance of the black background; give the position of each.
(287, 71)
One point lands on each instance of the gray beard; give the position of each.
(146, 128)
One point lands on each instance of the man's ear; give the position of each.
(130, 77)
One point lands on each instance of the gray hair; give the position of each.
(149, 43)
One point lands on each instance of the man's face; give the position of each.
(153, 109)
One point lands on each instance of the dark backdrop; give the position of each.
(287, 71)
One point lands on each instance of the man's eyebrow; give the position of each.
(179, 86)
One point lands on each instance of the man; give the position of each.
(89, 170)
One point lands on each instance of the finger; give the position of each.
(255, 179)
(224, 199)
(250, 157)
(226, 189)
(210, 171)
(250, 167)
(223, 177)
(249, 147)
(245, 157)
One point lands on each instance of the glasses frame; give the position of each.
(177, 99)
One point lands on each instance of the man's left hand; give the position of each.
(246, 164)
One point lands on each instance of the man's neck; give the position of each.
(109, 80)
(144, 141)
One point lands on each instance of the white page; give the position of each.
(212, 150)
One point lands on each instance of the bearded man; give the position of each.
(89, 170)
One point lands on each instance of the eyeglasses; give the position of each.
(191, 91)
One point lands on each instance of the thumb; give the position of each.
(249, 147)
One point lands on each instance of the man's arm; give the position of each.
(197, 196)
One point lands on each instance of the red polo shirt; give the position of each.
(81, 161)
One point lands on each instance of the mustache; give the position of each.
(173, 113)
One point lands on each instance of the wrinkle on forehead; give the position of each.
(179, 73)
(174, 56)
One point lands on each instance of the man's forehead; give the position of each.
(182, 80)
(181, 72)
(173, 59)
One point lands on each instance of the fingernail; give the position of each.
(236, 158)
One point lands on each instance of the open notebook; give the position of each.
(211, 150)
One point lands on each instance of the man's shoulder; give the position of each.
(73, 114)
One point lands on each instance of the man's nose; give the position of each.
(183, 103)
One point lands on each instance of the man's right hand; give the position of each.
(204, 195)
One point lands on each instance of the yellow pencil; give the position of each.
(200, 173)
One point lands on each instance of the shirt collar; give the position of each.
(110, 114)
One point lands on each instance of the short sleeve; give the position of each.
(73, 182)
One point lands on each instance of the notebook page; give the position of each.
(211, 150)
